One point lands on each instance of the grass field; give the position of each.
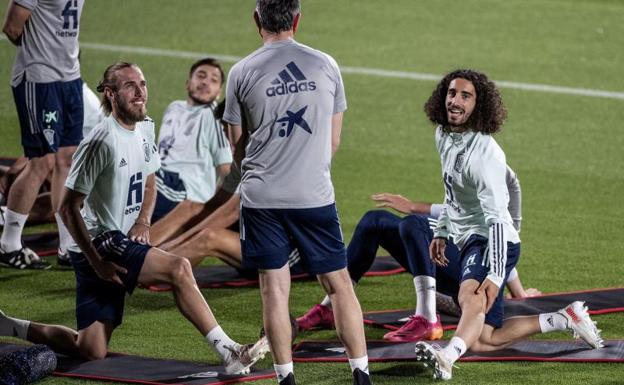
(565, 147)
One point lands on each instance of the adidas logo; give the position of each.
(123, 162)
(290, 81)
(550, 321)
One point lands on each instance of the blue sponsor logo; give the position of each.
(291, 120)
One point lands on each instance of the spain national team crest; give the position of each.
(147, 152)
(49, 135)
(459, 162)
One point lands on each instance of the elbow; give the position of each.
(335, 145)
(13, 34)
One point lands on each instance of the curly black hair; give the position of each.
(489, 113)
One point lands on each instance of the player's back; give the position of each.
(49, 47)
(288, 94)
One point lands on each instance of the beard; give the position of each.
(126, 113)
(198, 100)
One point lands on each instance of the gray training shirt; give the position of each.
(284, 95)
(49, 49)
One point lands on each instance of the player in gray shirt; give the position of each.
(47, 90)
(284, 105)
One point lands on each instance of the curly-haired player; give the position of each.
(467, 109)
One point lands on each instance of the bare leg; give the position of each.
(62, 164)
(90, 343)
(275, 289)
(219, 212)
(163, 267)
(174, 223)
(221, 243)
(473, 312)
(25, 189)
(347, 311)
(513, 330)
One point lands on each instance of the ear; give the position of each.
(256, 17)
(296, 22)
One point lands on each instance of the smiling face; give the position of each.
(461, 99)
(129, 99)
(204, 85)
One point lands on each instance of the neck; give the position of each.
(124, 123)
(270, 37)
(459, 129)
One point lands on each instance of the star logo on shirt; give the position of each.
(291, 120)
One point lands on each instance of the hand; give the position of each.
(530, 292)
(108, 271)
(394, 201)
(436, 251)
(491, 292)
(139, 233)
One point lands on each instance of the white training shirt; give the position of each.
(110, 167)
(93, 113)
(474, 172)
(192, 143)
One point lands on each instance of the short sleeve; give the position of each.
(92, 156)
(28, 4)
(340, 100)
(214, 139)
(232, 113)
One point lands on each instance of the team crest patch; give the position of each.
(459, 162)
(147, 151)
(49, 135)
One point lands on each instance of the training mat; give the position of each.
(43, 244)
(527, 350)
(599, 301)
(226, 276)
(7, 161)
(143, 370)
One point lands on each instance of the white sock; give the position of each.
(326, 302)
(359, 363)
(283, 370)
(11, 239)
(455, 349)
(65, 238)
(550, 322)
(13, 327)
(425, 297)
(220, 341)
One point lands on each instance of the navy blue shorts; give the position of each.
(170, 191)
(268, 237)
(475, 265)
(50, 115)
(99, 300)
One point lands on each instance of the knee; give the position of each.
(208, 235)
(93, 352)
(372, 219)
(181, 271)
(472, 303)
(41, 167)
(411, 224)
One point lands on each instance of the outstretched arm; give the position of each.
(401, 204)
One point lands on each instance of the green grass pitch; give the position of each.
(566, 149)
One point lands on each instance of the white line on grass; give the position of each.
(355, 70)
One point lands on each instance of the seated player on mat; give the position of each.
(112, 254)
(406, 239)
(194, 150)
(467, 109)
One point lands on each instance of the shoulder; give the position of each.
(28, 4)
